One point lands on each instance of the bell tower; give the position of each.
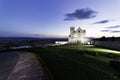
(72, 30)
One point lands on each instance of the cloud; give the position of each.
(117, 26)
(105, 30)
(111, 31)
(102, 22)
(80, 14)
(115, 31)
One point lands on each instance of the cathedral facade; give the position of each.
(76, 36)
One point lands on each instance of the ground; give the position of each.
(7, 62)
(21, 66)
(75, 62)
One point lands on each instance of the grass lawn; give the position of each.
(72, 62)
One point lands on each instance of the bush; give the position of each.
(115, 64)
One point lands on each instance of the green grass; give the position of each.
(91, 48)
(73, 62)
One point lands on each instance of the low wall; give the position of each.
(108, 44)
(27, 68)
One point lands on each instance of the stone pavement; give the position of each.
(7, 62)
(28, 67)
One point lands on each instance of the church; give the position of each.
(76, 36)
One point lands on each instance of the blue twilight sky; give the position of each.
(53, 18)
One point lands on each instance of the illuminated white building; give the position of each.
(61, 42)
(76, 36)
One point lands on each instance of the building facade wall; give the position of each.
(76, 36)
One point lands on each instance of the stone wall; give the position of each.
(108, 44)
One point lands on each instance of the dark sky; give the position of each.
(53, 18)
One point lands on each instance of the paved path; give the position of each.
(7, 62)
(21, 66)
(28, 68)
